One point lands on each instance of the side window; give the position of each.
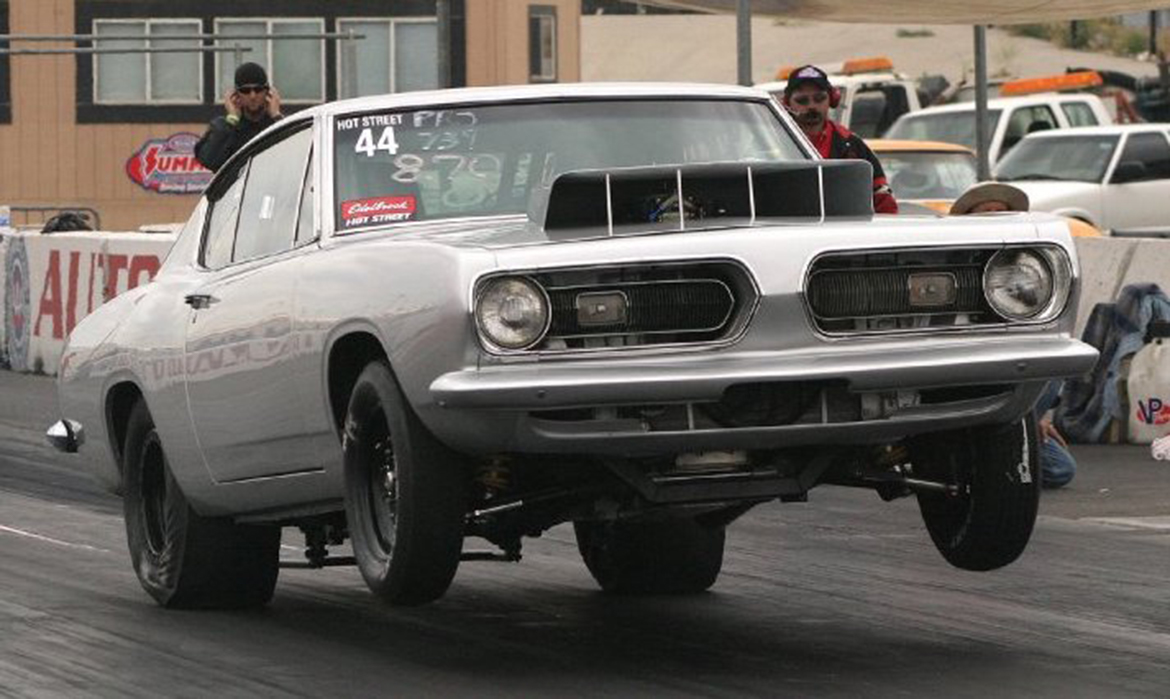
(221, 225)
(1024, 121)
(269, 207)
(1151, 150)
(868, 108)
(305, 231)
(1079, 114)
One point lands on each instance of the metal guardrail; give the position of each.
(98, 38)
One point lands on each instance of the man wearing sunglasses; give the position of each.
(808, 96)
(251, 106)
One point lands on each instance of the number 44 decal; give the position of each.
(365, 143)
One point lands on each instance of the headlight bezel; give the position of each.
(1058, 265)
(486, 338)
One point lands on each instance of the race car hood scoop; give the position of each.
(664, 198)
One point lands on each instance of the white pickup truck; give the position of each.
(1009, 120)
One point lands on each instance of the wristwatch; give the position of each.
(232, 119)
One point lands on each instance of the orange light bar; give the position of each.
(866, 65)
(783, 72)
(1052, 83)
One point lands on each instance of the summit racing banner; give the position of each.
(168, 166)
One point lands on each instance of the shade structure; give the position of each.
(927, 11)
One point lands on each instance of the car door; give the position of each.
(1136, 202)
(243, 397)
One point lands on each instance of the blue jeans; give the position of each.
(1057, 465)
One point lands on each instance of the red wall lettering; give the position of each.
(51, 296)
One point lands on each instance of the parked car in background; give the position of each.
(929, 173)
(410, 319)
(1116, 178)
(1009, 119)
(873, 96)
(934, 174)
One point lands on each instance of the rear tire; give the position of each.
(405, 494)
(988, 524)
(669, 556)
(183, 560)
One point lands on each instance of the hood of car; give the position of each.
(1044, 195)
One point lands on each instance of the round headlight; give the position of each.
(1018, 284)
(512, 313)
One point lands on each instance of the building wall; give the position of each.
(47, 158)
(497, 41)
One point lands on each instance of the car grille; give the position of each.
(684, 307)
(867, 292)
(683, 303)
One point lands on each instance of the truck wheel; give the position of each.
(671, 556)
(405, 494)
(183, 560)
(988, 524)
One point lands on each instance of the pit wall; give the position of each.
(51, 281)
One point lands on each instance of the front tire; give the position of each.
(183, 560)
(988, 524)
(405, 494)
(676, 556)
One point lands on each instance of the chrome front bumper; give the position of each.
(680, 378)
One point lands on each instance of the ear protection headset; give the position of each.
(834, 92)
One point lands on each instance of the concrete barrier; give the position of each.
(1109, 264)
(52, 281)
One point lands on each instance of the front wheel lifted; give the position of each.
(987, 524)
(184, 560)
(405, 494)
(677, 556)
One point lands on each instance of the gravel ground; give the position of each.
(701, 48)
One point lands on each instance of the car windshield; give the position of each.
(929, 175)
(949, 127)
(1081, 158)
(428, 164)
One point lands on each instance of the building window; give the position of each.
(542, 44)
(147, 78)
(396, 55)
(296, 67)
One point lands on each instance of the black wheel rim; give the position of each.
(383, 483)
(154, 496)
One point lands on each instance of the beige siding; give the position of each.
(497, 41)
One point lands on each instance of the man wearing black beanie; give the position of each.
(252, 106)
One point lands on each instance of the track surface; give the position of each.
(842, 596)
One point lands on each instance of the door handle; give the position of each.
(198, 301)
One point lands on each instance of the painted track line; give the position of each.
(51, 540)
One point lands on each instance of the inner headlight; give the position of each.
(512, 313)
(1018, 284)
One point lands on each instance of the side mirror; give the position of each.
(1129, 171)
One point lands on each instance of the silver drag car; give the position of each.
(413, 319)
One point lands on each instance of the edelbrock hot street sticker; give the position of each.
(377, 210)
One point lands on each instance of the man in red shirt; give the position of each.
(808, 96)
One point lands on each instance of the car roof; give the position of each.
(895, 145)
(1006, 102)
(1104, 130)
(557, 91)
